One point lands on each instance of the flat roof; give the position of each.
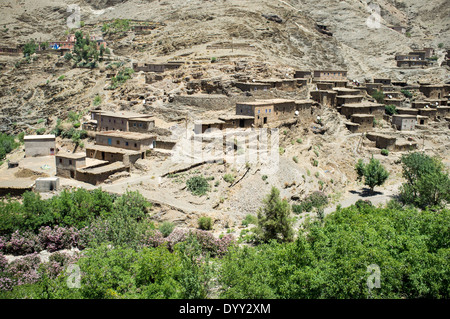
(39, 137)
(404, 115)
(236, 117)
(122, 114)
(304, 101)
(346, 89)
(328, 70)
(102, 169)
(208, 122)
(349, 96)
(144, 119)
(363, 104)
(111, 149)
(71, 155)
(362, 115)
(129, 135)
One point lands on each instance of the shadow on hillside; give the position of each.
(365, 192)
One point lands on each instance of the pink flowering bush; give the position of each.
(22, 243)
(3, 242)
(57, 238)
(208, 243)
(57, 263)
(3, 263)
(24, 270)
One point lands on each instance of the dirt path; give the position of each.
(381, 196)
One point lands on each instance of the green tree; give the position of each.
(85, 53)
(274, 220)
(374, 173)
(427, 181)
(390, 109)
(378, 96)
(29, 48)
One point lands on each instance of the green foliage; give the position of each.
(205, 223)
(408, 34)
(213, 59)
(440, 45)
(295, 159)
(314, 200)
(406, 93)
(427, 181)
(78, 208)
(390, 109)
(250, 219)
(61, 77)
(118, 25)
(374, 173)
(198, 185)
(166, 228)
(40, 131)
(299, 140)
(85, 53)
(315, 163)
(97, 100)
(121, 77)
(228, 178)
(264, 177)
(7, 144)
(29, 48)
(378, 96)
(384, 152)
(330, 260)
(281, 150)
(274, 220)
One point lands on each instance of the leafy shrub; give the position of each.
(440, 45)
(205, 223)
(427, 181)
(390, 109)
(264, 177)
(273, 218)
(295, 159)
(407, 93)
(197, 185)
(7, 144)
(384, 152)
(374, 173)
(228, 178)
(166, 228)
(250, 219)
(378, 96)
(62, 77)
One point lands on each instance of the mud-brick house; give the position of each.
(436, 91)
(383, 81)
(237, 121)
(127, 140)
(157, 67)
(114, 154)
(422, 120)
(330, 75)
(68, 163)
(382, 141)
(141, 124)
(429, 112)
(98, 174)
(399, 28)
(39, 145)
(407, 111)
(372, 87)
(253, 86)
(348, 99)
(261, 111)
(365, 122)
(208, 126)
(375, 109)
(302, 74)
(442, 112)
(398, 102)
(404, 122)
(120, 121)
(324, 97)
